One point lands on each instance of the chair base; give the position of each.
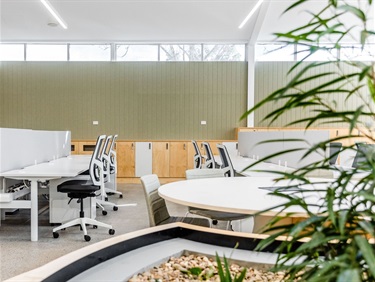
(111, 191)
(83, 221)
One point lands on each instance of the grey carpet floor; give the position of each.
(18, 254)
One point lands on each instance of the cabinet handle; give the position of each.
(149, 146)
(166, 146)
(132, 146)
(184, 146)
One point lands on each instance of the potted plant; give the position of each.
(336, 243)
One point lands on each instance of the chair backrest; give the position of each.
(105, 155)
(210, 159)
(96, 163)
(364, 151)
(334, 150)
(227, 165)
(197, 156)
(204, 173)
(156, 207)
(112, 154)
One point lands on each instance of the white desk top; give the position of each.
(69, 166)
(230, 194)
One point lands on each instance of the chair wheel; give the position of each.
(87, 238)
(115, 208)
(106, 199)
(111, 231)
(214, 222)
(120, 197)
(95, 227)
(104, 212)
(55, 235)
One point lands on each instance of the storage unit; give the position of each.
(125, 152)
(143, 158)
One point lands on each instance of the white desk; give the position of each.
(70, 166)
(230, 194)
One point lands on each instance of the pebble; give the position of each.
(174, 269)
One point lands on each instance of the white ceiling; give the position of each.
(144, 20)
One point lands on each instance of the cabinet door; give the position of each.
(178, 159)
(160, 158)
(125, 152)
(143, 158)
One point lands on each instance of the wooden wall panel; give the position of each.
(137, 100)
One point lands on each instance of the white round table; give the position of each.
(234, 194)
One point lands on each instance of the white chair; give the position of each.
(157, 209)
(81, 189)
(110, 165)
(212, 214)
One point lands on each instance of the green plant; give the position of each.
(337, 243)
(223, 272)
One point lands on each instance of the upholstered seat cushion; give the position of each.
(77, 186)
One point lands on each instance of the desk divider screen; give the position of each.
(24, 147)
(248, 146)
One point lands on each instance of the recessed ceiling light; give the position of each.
(257, 5)
(54, 13)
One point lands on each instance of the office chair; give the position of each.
(81, 189)
(108, 157)
(227, 165)
(197, 156)
(157, 209)
(212, 214)
(334, 150)
(210, 159)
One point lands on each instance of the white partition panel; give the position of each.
(249, 146)
(24, 147)
(16, 149)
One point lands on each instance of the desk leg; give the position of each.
(34, 210)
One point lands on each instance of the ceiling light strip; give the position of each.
(257, 5)
(54, 13)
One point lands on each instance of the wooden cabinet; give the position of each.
(164, 158)
(178, 159)
(125, 152)
(160, 158)
(169, 159)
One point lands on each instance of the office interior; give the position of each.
(161, 103)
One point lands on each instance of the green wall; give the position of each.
(137, 100)
(270, 76)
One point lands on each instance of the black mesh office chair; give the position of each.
(82, 189)
(334, 150)
(226, 165)
(197, 156)
(210, 159)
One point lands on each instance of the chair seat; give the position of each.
(190, 220)
(77, 186)
(218, 215)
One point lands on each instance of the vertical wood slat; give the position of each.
(137, 100)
